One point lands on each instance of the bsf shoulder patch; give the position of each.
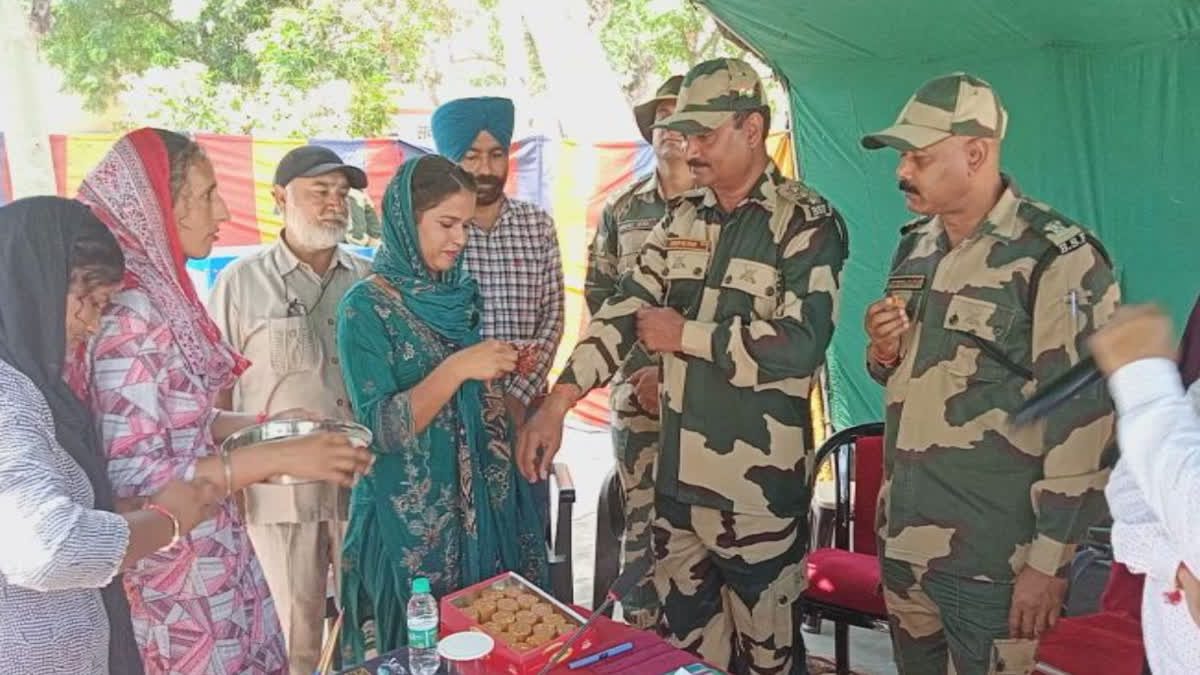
(1066, 238)
(800, 194)
(816, 211)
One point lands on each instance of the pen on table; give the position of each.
(595, 658)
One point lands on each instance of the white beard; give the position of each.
(313, 236)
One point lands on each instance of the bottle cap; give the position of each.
(420, 585)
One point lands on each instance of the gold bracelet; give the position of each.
(161, 510)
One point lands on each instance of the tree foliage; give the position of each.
(329, 66)
(646, 45)
(95, 43)
(247, 51)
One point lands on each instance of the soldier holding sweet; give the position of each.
(990, 295)
(736, 290)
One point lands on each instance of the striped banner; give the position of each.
(569, 180)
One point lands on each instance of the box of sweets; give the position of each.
(528, 625)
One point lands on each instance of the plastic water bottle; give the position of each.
(422, 629)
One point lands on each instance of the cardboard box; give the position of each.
(507, 658)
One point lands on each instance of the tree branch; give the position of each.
(710, 42)
(476, 56)
(601, 12)
(158, 16)
(704, 39)
(40, 18)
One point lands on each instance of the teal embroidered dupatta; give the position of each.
(445, 503)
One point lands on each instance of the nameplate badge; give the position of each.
(677, 244)
(913, 282)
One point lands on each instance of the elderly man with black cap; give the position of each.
(277, 307)
(627, 218)
(512, 249)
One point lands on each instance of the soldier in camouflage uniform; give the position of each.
(991, 294)
(624, 224)
(364, 229)
(736, 289)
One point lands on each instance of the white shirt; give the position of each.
(1154, 496)
(57, 550)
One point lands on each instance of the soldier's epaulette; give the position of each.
(619, 201)
(811, 203)
(1063, 234)
(629, 190)
(914, 224)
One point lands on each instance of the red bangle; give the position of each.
(150, 506)
(261, 417)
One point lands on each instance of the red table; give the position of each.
(651, 655)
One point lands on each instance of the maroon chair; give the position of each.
(844, 583)
(1109, 641)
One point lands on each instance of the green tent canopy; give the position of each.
(1102, 94)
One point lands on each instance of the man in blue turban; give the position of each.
(458, 124)
(512, 248)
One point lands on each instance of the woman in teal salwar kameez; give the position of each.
(443, 500)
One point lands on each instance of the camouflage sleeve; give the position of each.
(792, 343)
(1076, 295)
(603, 256)
(374, 229)
(602, 262)
(612, 333)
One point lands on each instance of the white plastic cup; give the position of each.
(467, 653)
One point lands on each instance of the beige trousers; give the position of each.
(296, 558)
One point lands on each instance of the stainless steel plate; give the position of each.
(280, 429)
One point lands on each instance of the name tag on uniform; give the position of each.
(910, 282)
(677, 244)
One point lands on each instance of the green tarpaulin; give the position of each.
(1104, 99)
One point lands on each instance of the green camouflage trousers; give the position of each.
(943, 623)
(635, 442)
(730, 585)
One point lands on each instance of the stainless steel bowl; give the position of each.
(280, 429)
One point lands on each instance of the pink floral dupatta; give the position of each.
(130, 191)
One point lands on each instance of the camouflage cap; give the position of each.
(644, 112)
(951, 105)
(712, 92)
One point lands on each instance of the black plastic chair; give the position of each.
(558, 535)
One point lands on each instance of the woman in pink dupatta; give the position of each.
(152, 375)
